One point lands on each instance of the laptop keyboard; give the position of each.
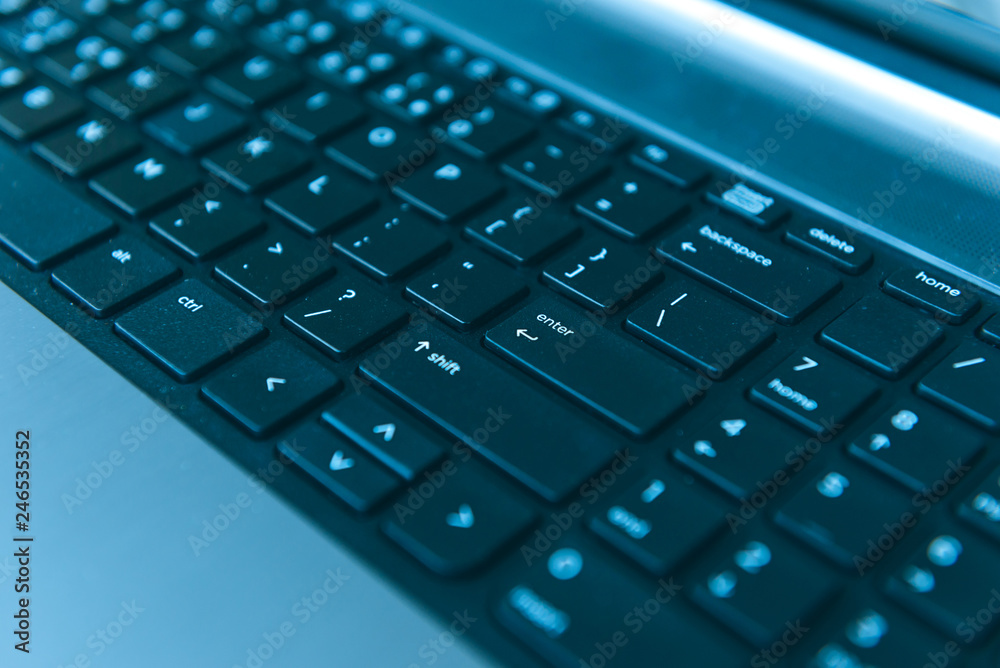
(527, 360)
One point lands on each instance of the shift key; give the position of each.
(503, 418)
(766, 277)
(564, 348)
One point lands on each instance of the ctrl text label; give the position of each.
(22, 632)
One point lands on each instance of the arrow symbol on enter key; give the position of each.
(524, 333)
(271, 382)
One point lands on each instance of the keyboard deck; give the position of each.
(544, 372)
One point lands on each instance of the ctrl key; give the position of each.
(575, 608)
(188, 329)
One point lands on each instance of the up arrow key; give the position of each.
(271, 382)
(387, 430)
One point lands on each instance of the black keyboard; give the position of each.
(530, 363)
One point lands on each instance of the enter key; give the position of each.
(632, 388)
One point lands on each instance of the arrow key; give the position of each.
(269, 387)
(340, 467)
(461, 525)
(387, 434)
(321, 201)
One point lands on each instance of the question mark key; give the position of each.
(342, 317)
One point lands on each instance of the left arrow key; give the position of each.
(273, 385)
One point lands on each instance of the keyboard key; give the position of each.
(738, 262)
(83, 61)
(13, 75)
(466, 289)
(202, 229)
(42, 222)
(379, 147)
(195, 125)
(918, 446)
(844, 511)
(321, 201)
(602, 275)
(37, 110)
(386, 433)
(188, 329)
(315, 114)
(950, 583)
(981, 508)
(488, 131)
(275, 268)
(342, 468)
(461, 526)
(745, 452)
(554, 165)
(674, 166)
(194, 50)
(991, 331)
(750, 204)
(269, 387)
(632, 205)
(417, 97)
(882, 336)
(115, 274)
(878, 637)
(147, 181)
(660, 522)
(520, 232)
(491, 411)
(604, 133)
(256, 162)
(764, 589)
(345, 316)
(81, 151)
(965, 383)
(254, 81)
(814, 392)
(448, 187)
(944, 296)
(389, 246)
(131, 95)
(574, 606)
(578, 357)
(837, 244)
(700, 329)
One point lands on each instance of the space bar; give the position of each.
(507, 421)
